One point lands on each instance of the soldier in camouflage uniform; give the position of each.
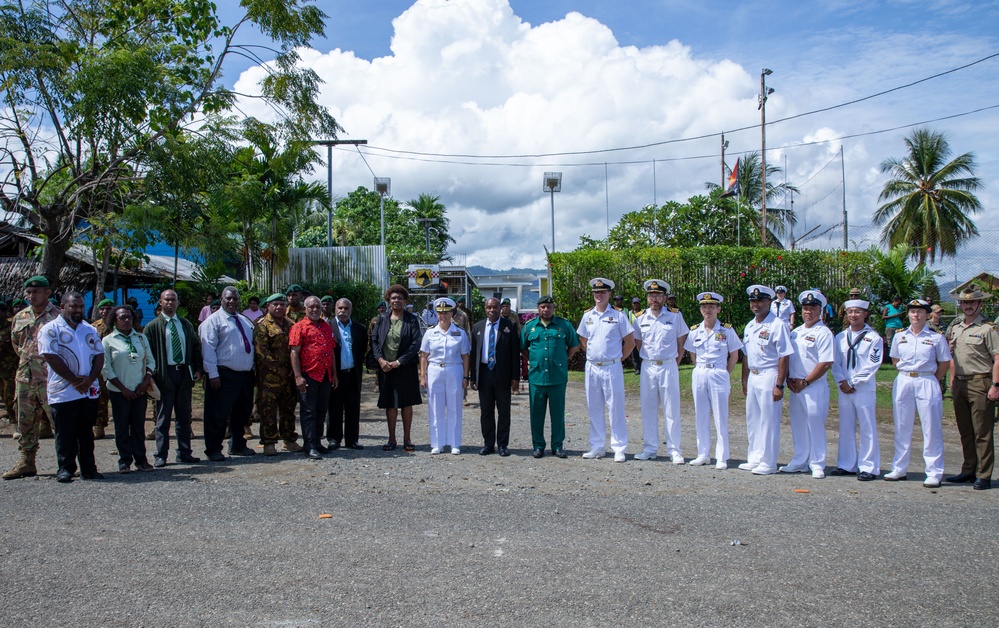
(8, 365)
(296, 311)
(32, 374)
(276, 393)
(104, 324)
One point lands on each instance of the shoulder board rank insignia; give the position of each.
(697, 326)
(588, 309)
(729, 325)
(673, 309)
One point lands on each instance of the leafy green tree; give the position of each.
(891, 275)
(928, 198)
(750, 178)
(89, 86)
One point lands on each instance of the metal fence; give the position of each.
(325, 265)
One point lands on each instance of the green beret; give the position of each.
(19, 303)
(293, 288)
(327, 299)
(505, 302)
(381, 304)
(546, 299)
(54, 301)
(106, 302)
(38, 281)
(216, 302)
(277, 296)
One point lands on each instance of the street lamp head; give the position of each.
(767, 71)
(770, 90)
(553, 182)
(383, 186)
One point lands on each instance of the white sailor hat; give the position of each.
(857, 303)
(656, 285)
(705, 298)
(918, 304)
(444, 304)
(812, 297)
(601, 283)
(757, 292)
(781, 289)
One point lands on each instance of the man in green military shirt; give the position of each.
(295, 310)
(276, 392)
(548, 342)
(31, 380)
(104, 324)
(8, 366)
(974, 368)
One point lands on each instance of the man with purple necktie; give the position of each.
(227, 353)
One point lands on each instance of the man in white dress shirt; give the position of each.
(659, 338)
(605, 335)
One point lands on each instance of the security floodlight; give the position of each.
(553, 182)
(383, 186)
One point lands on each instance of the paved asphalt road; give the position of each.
(416, 539)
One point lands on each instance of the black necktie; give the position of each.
(851, 353)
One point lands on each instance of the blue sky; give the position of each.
(499, 77)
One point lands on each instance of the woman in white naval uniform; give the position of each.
(782, 306)
(766, 342)
(921, 357)
(808, 406)
(444, 373)
(715, 349)
(858, 353)
(659, 335)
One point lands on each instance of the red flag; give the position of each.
(733, 182)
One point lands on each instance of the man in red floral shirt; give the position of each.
(312, 344)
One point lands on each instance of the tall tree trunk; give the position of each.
(57, 243)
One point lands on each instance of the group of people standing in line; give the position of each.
(310, 354)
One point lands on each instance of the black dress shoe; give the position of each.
(840, 471)
(982, 484)
(245, 451)
(313, 454)
(322, 450)
(64, 476)
(331, 445)
(961, 478)
(503, 451)
(159, 463)
(538, 453)
(216, 457)
(357, 446)
(485, 451)
(864, 476)
(92, 475)
(186, 458)
(124, 468)
(559, 453)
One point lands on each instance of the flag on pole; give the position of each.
(732, 188)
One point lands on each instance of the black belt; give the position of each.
(176, 367)
(347, 370)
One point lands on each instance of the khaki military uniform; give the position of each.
(973, 348)
(294, 316)
(8, 366)
(34, 417)
(276, 394)
(102, 401)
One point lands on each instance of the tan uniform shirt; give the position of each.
(973, 346)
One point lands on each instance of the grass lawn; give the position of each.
(886, 375)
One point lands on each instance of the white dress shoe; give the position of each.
(435, 451)
(818, 474)
(456, 451)
(789, 469)
(722, 465)
(677, 459)
(699, 461)
(593, 454)
(645, 455)
(748, 466)
(761, 470)
(894, 475)
(619, 457)
(932, 483)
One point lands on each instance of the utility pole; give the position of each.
(329, 144)
(842, 169)
(426, 228)
(764, 93)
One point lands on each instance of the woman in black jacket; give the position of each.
(395, 343)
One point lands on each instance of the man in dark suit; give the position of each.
(177, 350)
(343, 419)
(495, 373)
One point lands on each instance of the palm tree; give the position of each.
(892, 275)
(750, 177)
(928, 200)
(429, 206)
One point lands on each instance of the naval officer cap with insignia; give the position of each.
(599, 284)
(709, 298)
(918, 304)
(812, 297)
(756, 292)
(656, 286)
(444, 304)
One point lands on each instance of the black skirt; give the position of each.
(400, 388)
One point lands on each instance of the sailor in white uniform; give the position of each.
(444, 365)
(782, 306)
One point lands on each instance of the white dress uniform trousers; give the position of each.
(604, 383)
(858, 410)
(660, 378)
(764, 343)
(711, 385)
(809, 409)
(445, 373)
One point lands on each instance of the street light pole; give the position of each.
(552, 184)
(426, 228)
(329, 144)
(764, 93)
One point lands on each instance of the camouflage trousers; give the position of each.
(33, 414)
(102, 404)
(275, 409)
(9, 397)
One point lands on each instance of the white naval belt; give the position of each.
(445, 364)
(604, 362)
(915, 374)
(659, 362)
(760, 371)
(707, 365)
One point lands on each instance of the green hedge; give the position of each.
(726, 270)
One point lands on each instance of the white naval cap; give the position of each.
(444, 304)
(601, 283)
(705, 298)
(757, 292)
(656, 285)
(857, 303)
(918, 304)
(781, 289)
(812, 297)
